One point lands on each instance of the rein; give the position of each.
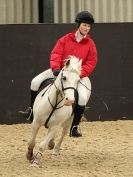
(56, 100)
(96, 96)
(54, 108)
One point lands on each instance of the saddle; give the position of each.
(45, 83)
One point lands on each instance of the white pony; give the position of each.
(53, 108)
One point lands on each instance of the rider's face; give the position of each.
(84, 28)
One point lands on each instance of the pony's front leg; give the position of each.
(56, 149)
(31, 143)
(37, 162)
(65, 127)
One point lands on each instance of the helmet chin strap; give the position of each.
(81, 33)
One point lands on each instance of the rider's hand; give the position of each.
(56, 72)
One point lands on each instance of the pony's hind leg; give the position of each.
(31, 143)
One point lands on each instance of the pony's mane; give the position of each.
(72, 63)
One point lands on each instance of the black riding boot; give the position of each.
(28, 114)
(78, 113)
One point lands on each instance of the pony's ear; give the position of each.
(67, 63)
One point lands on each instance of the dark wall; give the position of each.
(24, 53)
(113, 76)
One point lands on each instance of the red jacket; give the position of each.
(67, 45)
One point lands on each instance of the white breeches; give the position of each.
(84, 93)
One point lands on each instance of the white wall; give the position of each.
(102, 10)
(18, 11)
(26, 11)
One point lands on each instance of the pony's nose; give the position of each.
(68, 102)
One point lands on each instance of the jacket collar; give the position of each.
(85, 39)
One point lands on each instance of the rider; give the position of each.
(77, 43)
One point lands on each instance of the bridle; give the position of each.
(62, 86)
(54, 107)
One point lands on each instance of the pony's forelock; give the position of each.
(74, 62)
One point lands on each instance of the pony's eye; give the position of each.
(64, 78)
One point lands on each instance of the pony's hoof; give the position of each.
(51, 145)
(56, 153)
(36, 164)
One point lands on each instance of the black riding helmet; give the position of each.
(84, 17)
